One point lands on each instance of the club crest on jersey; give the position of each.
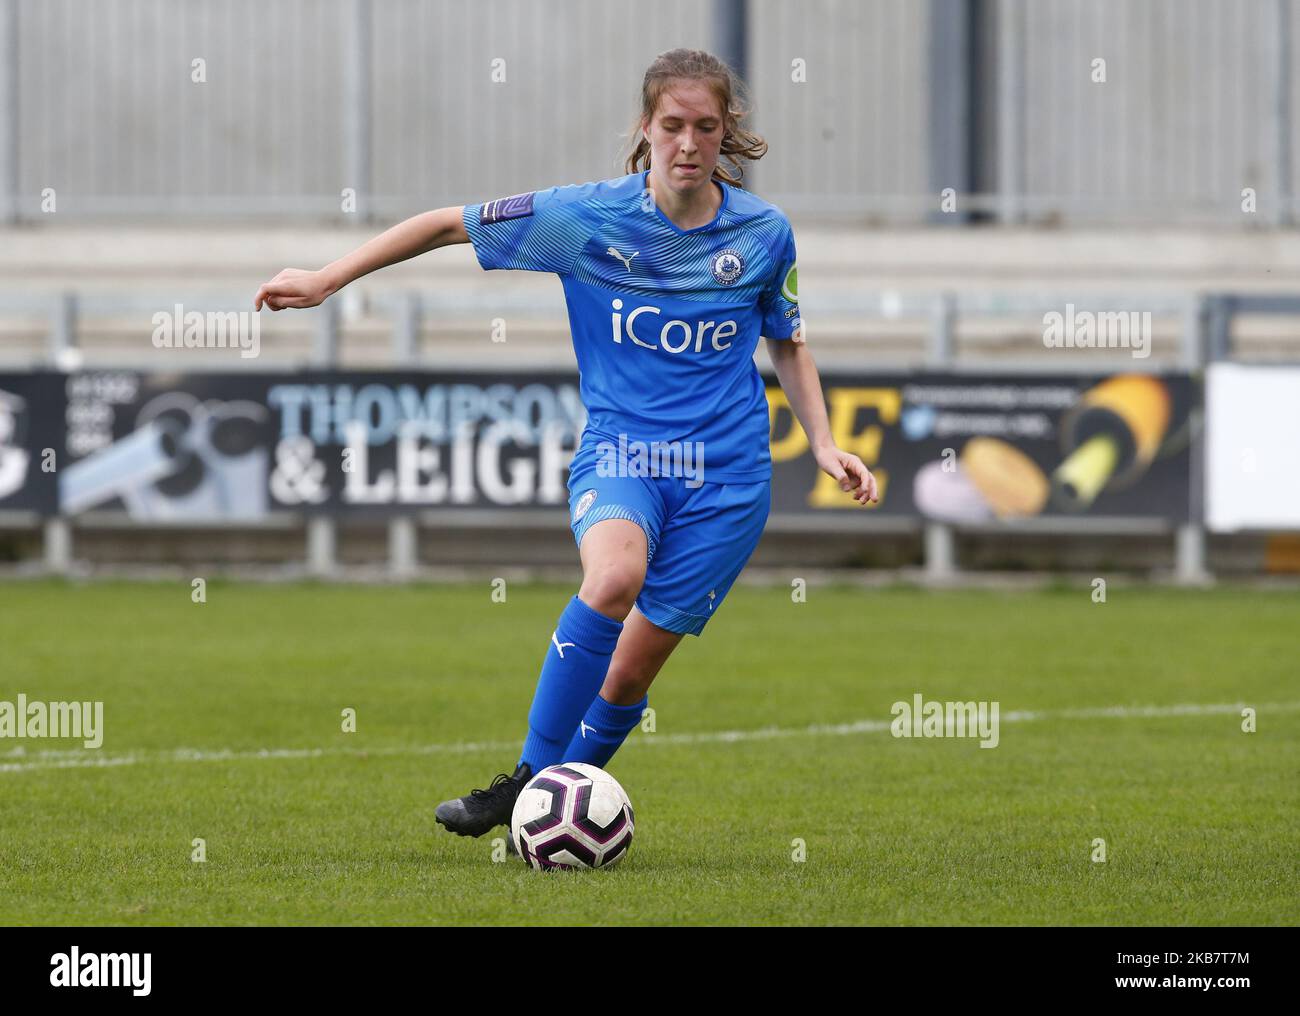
(727, 266)
(514, 207)
(584, 502)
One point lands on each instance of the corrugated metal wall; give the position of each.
(1181, 121)
(101, 105)
(110, 117)
(445, 129)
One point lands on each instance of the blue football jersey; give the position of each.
(664, 320)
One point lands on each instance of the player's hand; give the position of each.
(295, 288)
(850, 472)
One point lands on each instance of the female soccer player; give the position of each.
(671, 273)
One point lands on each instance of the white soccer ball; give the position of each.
(572, 816)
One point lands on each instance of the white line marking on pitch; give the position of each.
(83, 759)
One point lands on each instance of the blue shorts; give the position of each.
(698, 537)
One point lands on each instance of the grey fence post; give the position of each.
(63, 328)
(403, 533)
(940, 552)
(322, 530)
(58, 545)
(940, 540)
(322, 542)
(943, 318)
(63, 337)
(325, 339)
(1219, 325)
(1189, 540)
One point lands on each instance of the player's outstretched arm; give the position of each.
(419, 234)
(802, 385)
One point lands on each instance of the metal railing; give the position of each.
(1202, 318)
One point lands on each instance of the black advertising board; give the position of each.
(235, 447)
(978, 448)
(32, 412)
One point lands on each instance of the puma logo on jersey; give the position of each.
(560, 645)
(627, 261)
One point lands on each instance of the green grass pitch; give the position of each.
(1199, 819)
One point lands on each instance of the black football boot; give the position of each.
(482, 810)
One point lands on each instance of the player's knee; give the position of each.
(612, 589)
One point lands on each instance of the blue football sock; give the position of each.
(603, 731)
(581, 647)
